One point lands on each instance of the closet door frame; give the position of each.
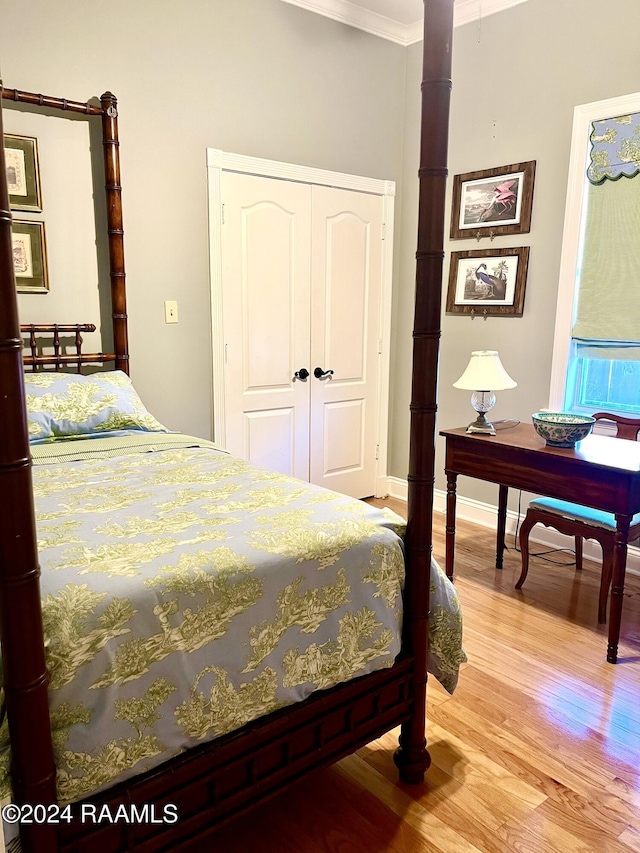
(219, 161)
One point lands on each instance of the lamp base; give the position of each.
(481, 425)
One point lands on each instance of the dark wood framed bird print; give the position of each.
(488, 283)
(493, 202)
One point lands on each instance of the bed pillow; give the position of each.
(63, 405)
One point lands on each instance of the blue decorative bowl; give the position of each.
(562, 429)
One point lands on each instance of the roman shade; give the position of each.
(607, 316)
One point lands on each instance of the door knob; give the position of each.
(319, 373)
(301, 374)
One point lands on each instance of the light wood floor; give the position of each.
(537, 750)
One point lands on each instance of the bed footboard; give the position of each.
(214, 783)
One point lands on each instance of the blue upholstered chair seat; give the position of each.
(580, 513)
(582, 522)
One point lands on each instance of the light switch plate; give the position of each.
(170, 312)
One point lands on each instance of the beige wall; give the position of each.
(516, 80)
(255, 77)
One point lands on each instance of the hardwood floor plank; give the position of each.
(631, 839)
(466, 798)
(398, 836)
(527, 733)
(575, 831)
(628, 793)
(537, 767)
(436, 834)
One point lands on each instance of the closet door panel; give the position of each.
(266, 293)
(269, 431)
(345, 332)
(269, 300)
(345, 284)
(343, 442)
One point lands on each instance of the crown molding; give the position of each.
(356, 16)
(465, 12)
(415, 31)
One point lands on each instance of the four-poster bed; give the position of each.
(220, 779)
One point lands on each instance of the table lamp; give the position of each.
(484, 375)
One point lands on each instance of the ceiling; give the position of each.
(397, 20)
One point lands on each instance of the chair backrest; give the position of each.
(625, 427)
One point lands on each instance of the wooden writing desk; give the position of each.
(600, 472)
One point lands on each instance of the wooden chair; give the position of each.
(582, 522)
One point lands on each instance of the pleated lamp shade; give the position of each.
(485, 373)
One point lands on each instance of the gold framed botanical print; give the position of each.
(29, 256)
(23, 172)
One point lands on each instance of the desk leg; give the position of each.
(450, 529)
(502, 524)
(617, 585)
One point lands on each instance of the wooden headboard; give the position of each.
(40, 339)
(107, 111)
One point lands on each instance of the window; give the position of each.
(596, 362)
(602, 385)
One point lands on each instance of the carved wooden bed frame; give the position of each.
(213, 783)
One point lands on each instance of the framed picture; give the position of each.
(23, 172)
(493, 202)
(488, 283)
(29, 256)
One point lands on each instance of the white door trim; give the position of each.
(219, 161)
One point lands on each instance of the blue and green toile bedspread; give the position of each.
(187, 592)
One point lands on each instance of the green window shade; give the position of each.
(608, 305)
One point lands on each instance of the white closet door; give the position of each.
(266, 292)
(345, 333)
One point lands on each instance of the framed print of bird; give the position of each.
(490, 283)
(493, 202)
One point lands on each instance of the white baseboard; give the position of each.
(398, 488)
(486, 515)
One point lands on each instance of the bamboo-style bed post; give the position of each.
(24, 670)
(113, 188)
(412, 757)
